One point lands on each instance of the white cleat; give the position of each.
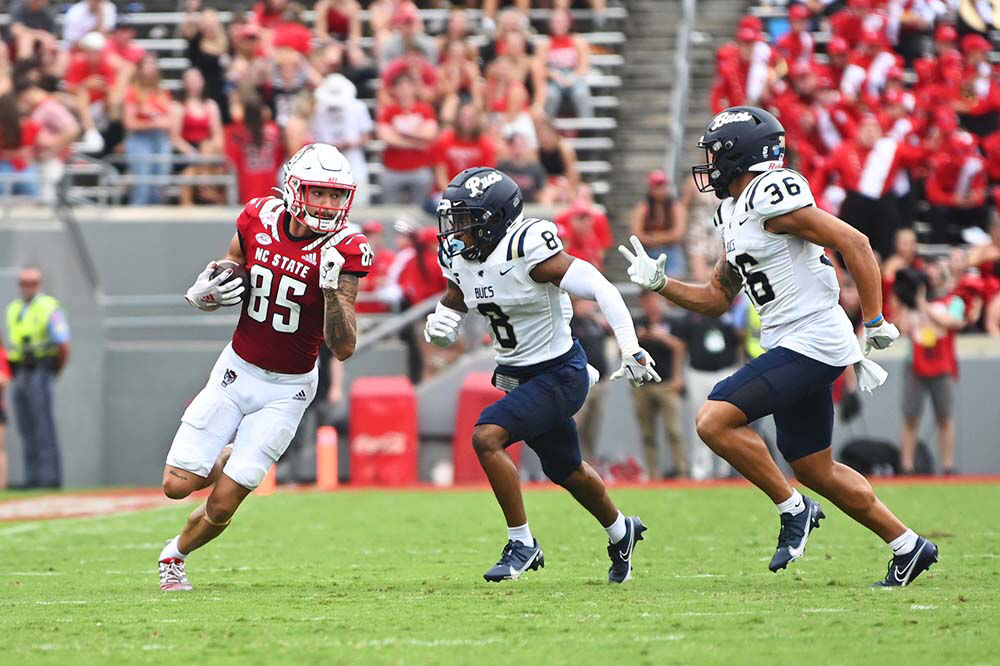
(173, 576)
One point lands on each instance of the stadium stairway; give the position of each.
(647, 84)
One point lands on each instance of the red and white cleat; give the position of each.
(172, 575)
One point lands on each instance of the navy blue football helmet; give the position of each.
(738, 140)
(480, 203)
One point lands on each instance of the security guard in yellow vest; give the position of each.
(38, 349)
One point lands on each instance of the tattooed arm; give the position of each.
(340, 330)
(712, 298)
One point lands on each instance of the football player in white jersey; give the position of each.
(514, 272)
(774, 238)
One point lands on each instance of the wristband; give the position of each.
(874, 322)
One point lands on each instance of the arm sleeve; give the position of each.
(584, 281)
(778, 193)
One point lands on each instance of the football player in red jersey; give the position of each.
(303, 264)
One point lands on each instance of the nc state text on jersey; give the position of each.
(286, 264)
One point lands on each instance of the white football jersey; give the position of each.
(790, 280)
(529, 321)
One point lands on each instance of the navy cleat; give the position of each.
(794, 534)
(515, 560)
(903, 569)
(621, 552)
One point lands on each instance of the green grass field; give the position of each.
(395, 578)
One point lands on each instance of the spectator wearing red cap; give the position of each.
(744, 72)
(464, 146)
(409, 129)
(797, 44)
(869, 67)
(839, 53)
(851, 20)
(585, 231)
(866, 168)
(956, 188)
(978, 99)
(419, 68)
(660, 222)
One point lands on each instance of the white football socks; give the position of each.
(793, 505)
(904, 543)
(171, 550)
(522, 534)
(616, 530)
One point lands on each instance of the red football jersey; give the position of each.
(281, 326)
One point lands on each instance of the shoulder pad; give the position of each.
(356, 250)
(534, 240)
(777, 193)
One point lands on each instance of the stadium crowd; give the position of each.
(891, 110)
(268, 81)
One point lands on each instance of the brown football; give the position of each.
(239, 271)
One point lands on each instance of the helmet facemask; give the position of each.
(719, 168)
(455, 218)
(319, 218)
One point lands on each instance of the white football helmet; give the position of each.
(318, 165)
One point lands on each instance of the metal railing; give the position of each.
(679, 99)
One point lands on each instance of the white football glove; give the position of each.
(881, 336)
(330, 263)
(643, 269)
(208, 293)
(634, 370)
(442, 326)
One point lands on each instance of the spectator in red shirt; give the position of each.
(92, 69)
(566, 57)
(57, 130)
(465, 146)
(848, 22)
(292, 32)
(17, 139)
(419, 68)
(797, 45)
(956, 188)
(196, 129)
(253, 145)
(121, 42)
(269, 13)
(409, 128)
(978, 102)
(341, 20)
(660, 222)
(585, 231)
(147, 131)
(866, 168)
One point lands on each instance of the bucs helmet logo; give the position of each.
(727, 117)
(479, 184)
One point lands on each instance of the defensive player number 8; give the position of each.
(500, 323)
(758, 285)
(261, 279)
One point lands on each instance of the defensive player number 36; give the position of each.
(261, 279)
(757, 284)
(500, 323)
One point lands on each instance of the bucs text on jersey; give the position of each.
(281, 325)
(789, 280)
(529, 320)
